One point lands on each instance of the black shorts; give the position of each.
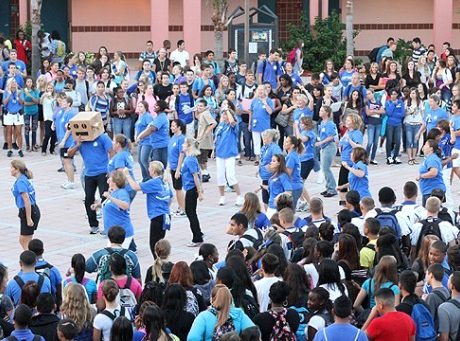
(203, 157)
(306, 167)
(265, 194)
(35, 214)
(177, 183)
(343, 178)
(63, 153)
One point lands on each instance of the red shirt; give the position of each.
(392, 326)
(21, 48)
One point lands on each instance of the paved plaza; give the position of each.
(64, 227)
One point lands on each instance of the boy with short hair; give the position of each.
(439, 294)
(270, 263)
(367, 254)
(22, 318)
(206, 125)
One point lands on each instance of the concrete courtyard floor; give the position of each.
(64, 227)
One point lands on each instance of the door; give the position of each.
(55, 17)
(5, 13)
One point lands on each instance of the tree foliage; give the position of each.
(323, 41)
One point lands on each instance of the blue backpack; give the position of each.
(303, 321)
(389, 219)
(424, 323)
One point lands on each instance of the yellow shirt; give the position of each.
(366, 255)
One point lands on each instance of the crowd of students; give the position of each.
(286, 275)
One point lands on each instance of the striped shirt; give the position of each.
(101, 104)
(417, 53)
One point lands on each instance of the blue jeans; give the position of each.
(144, 159)
(160, 154)
(327, 157)
(411, 131)
(122, 126)
(247, 140)
(393, 143)
(373, 134)
(296, 194)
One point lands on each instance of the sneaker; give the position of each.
(205, 177)
(222, 201)
(323, 192)
(373, 162)
(68, 185)
(20, 153)
(239, 201)
(93, 230)
(10, 153)
(179, 214)
(389, 160)
(43, 153)
(329, 195)
(396, 161)
(15, 146)
(61, 170)
(5, 146)
(320, 178)
(194, 244)
(102, 233)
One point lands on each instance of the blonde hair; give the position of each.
(9, 82)
(194, 146)
(75, 305)
(256, 93)
(162, 252)
(273, 133)
(157, 167)
(423, 253)
(356, 120)
(251, 206)
(119, 178)
(221, 300)
(45, 83)
(21, 167)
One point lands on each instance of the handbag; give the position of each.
(282, 120)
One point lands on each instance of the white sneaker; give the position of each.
(239, 201)
(222, 201)
(93, 230)
(68, 185)
(320, 178)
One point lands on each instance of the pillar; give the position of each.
(325, 8)
(23, 12)
(442, 22)
(192, 26)
(159, 22)
(314, 11)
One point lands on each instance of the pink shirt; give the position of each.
(136, 288)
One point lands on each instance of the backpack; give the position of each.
(20, 282)
(291, 57)
(220, 331)
(444, 215)
(85, 334)
(12, 338)
(249, 305)
(191, 305)
(457, 304)
(424, 323)
(44, 270)
(60, 49)
(104, 268)
(112, 315)
(303, 321)
(429, 227)
(127, 297)
(296, 238)
(256, 242)
(373, 54)
(281, 330)
(389, 219)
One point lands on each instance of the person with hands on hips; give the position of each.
(24, 195)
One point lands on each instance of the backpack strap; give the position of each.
(263, 69)
(37, 338)
(12, 338)
(357, 334)
(441, 296)
(128, 283)
(44, 266)
(455, 303)
(40, 282)
(19, 281)
(108, 314)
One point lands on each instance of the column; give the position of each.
(23, 12)
(442, 22)
(192, 26)
(325, 8)
(314, 11)
(159, 22)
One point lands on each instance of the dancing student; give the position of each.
(294, 148)
(122, 159)
(24, 196)
(270, 148)
(358, 176)
(278, 183)
(145, 145)
(174, 153)
(159, 196)
(226, 151)
(327, 137)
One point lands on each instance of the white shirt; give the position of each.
(403, 220)
(359, 223)
(104, 323)
(181, 57)
(311, 271)
(246, 242)
(334, 291)
(263, 289)
(414, 212)
(448, 232)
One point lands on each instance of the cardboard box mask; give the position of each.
(87, 125)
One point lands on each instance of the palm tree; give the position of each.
(219, 17)
(35, 9)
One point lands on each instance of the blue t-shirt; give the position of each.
(184, 105)
(456, 121)
(428, 185)
(199, 84)
(89, 284)
(55, 275)
(271, 72)
(95, 155)
(13, 106)
(226, 140)
(122, 160)
(13, 290)
(345, 77)
(293, 162)
(327, 129)
(276, 185)
(361, 185)
(61, 122)
(30, 109)
(432, 117)
(301, 112)
(141, 124)
(23, 185)
(266, 153)
(190, 166)
(368, 287)
(174, 150)
(113, 215)
(340, 331)
(160, 137)
(20, 65)
(159, 195)
(262, 222)
(357, 137)
(309, 146)
(260, 116)
(446, 149)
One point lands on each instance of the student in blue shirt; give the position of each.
(358, 177)
(259, 118)
(455, 127)
(432, 115)
(174, 155)
(159, 196)
(27, 261)
(352, 138)
(184, 108)
(270, 138)
(158, 131)
(95, 156)
(278, 183)
(394, 109)
(430, 172)
(12, 117)
(24, 196)
(190, 171)
(122, 159)
(253, 211)
(269, 70)
(294, 147)
(304, 108)
(22, 319)
(226, 150)
(145, 147)
(30, 98)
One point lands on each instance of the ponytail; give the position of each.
(21, 167)
(298, 145)
(78, 265)
(124, 142)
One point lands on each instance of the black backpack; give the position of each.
(373, 54)
(430, 226)
(296, 238)
(256, 242)
(444, 215)
(249, 305)
(112, 315)
(20, 282)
